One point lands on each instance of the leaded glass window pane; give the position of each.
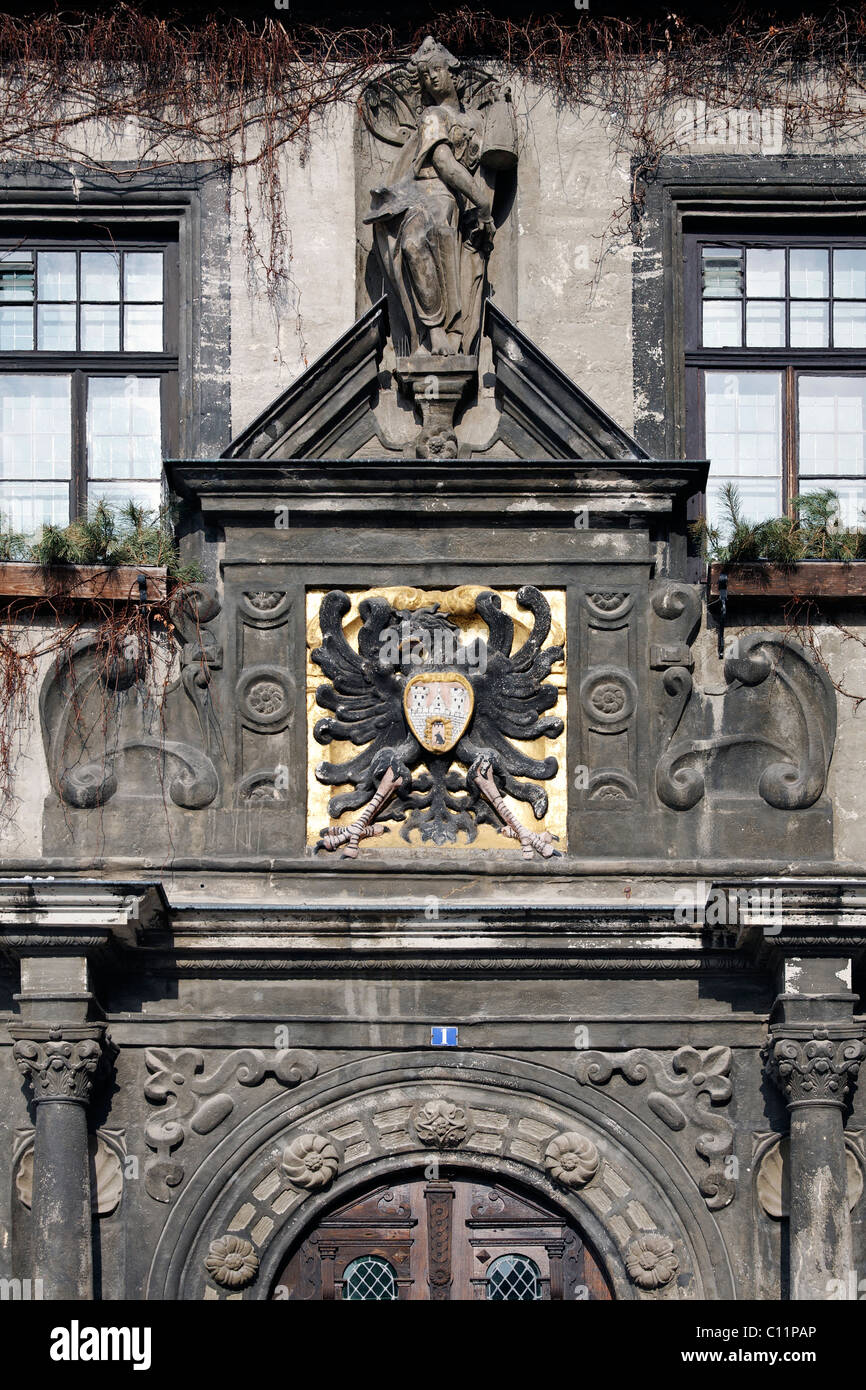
(100, 276)
(57, 275)
(810, 273)
(371, 1280)
(765, 273)
(35, 450)
(513, 1278)
(123, 428)
(832, 425)
(744, 441)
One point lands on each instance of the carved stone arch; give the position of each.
(259, 1190)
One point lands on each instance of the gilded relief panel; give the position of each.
(447, 721)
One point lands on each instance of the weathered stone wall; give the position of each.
(520, 1022)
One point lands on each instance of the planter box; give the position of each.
(826, 579)
(111, 584)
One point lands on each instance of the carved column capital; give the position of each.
(60, 1062)
(814, 1066)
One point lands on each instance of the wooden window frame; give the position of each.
(791, 362)
(80, 365)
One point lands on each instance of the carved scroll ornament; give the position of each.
(199, 1103)
(788, 727)
(688, 1093)
(89, 702)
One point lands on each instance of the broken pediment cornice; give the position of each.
(324, 401)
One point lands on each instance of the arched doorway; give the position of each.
(444, 1239)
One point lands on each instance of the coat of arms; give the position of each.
(437, 721)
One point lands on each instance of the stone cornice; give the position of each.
(75, 916)
(606, 486)
(433, 926)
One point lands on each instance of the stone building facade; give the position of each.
(474, 918)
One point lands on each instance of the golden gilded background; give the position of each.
(459, 605)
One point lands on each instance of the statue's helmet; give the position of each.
(432, 51)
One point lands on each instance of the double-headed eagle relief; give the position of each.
(433, 217)
(437, 719)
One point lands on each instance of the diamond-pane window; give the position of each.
(370, 1279)
(513, 1278)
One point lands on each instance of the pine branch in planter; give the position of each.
(130, 535)
(13, 545)
(812, 534)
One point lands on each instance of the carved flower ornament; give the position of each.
(650, 1261)
(264, 599)
(265, 697)
(232, 1262)
(440, 1124)
(310, 1161)
(571, 1160)
(608, 698)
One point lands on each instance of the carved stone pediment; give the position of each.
(328, 411)
(333, 409)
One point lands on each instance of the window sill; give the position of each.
(105, 583)
(770, 580)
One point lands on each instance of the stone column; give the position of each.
(60, 1062)
(813, 1064)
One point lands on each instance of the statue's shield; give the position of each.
(438, 706)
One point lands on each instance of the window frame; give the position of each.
(500, 1260)
(792, 362)
(80, 365)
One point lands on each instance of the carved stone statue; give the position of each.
(433, 219)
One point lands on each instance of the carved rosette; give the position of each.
(571, 1160)
(608, 696)
(58, 1067)
(232, 1262)
(266, 696)
(814, 1070)
(440, 1124)
(651, 1261)
(311, 1161)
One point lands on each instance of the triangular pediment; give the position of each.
(544, 414)
(327, 412)
(332, 411)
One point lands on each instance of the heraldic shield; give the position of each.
(438, 707)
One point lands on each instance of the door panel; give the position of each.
(445, 1240)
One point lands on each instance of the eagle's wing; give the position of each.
(364, 694)
(511, 696)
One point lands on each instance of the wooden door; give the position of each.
(445, 1240)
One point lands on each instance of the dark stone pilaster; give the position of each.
(60, 1063)
(813, 1056)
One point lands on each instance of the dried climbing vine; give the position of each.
(124, 92)
(150, 93)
